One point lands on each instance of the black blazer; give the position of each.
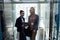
(36, 22)
(19, 23)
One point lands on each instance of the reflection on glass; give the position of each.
(55, 0)
(26, 8)
(16, 0)
(25, 0)
(8, 22)
(7, 0)
(28, 0)
(1, 0)
(43, 21)
(1, 6)
(42, 10)
(8, 15)
(44, 15)
(42, 0)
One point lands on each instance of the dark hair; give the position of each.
(21, 11)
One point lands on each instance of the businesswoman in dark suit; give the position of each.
(20, 25)
(33, 23)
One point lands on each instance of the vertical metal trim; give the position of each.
(51, 19)
(57, 21)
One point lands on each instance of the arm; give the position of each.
(36, 22)
(18, 23)
(29, 21)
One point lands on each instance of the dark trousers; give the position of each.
(22, 36)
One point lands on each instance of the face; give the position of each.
(22, 14)
(32, 11)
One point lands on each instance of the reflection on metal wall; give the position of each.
(9, 32)
(9, 20)
(1, 12)
(0, 26)
(57, 22)
(7, 16)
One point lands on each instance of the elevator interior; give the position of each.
(42, 8)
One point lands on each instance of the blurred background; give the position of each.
(9, 12)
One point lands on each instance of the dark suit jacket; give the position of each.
(19, 23)
(36, 22)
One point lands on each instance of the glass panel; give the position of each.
(44, 14)
(52, 0)
(44, 19)
(11, 11)
(16, 0)
(26, 8)
(58, 0)
(9, 30)
(41, 0)
(8, 15)
(7, 0)
(1, 6)
(1, 0)
(42, 11)
(55, 0)
(25, 0)
(28, 0)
